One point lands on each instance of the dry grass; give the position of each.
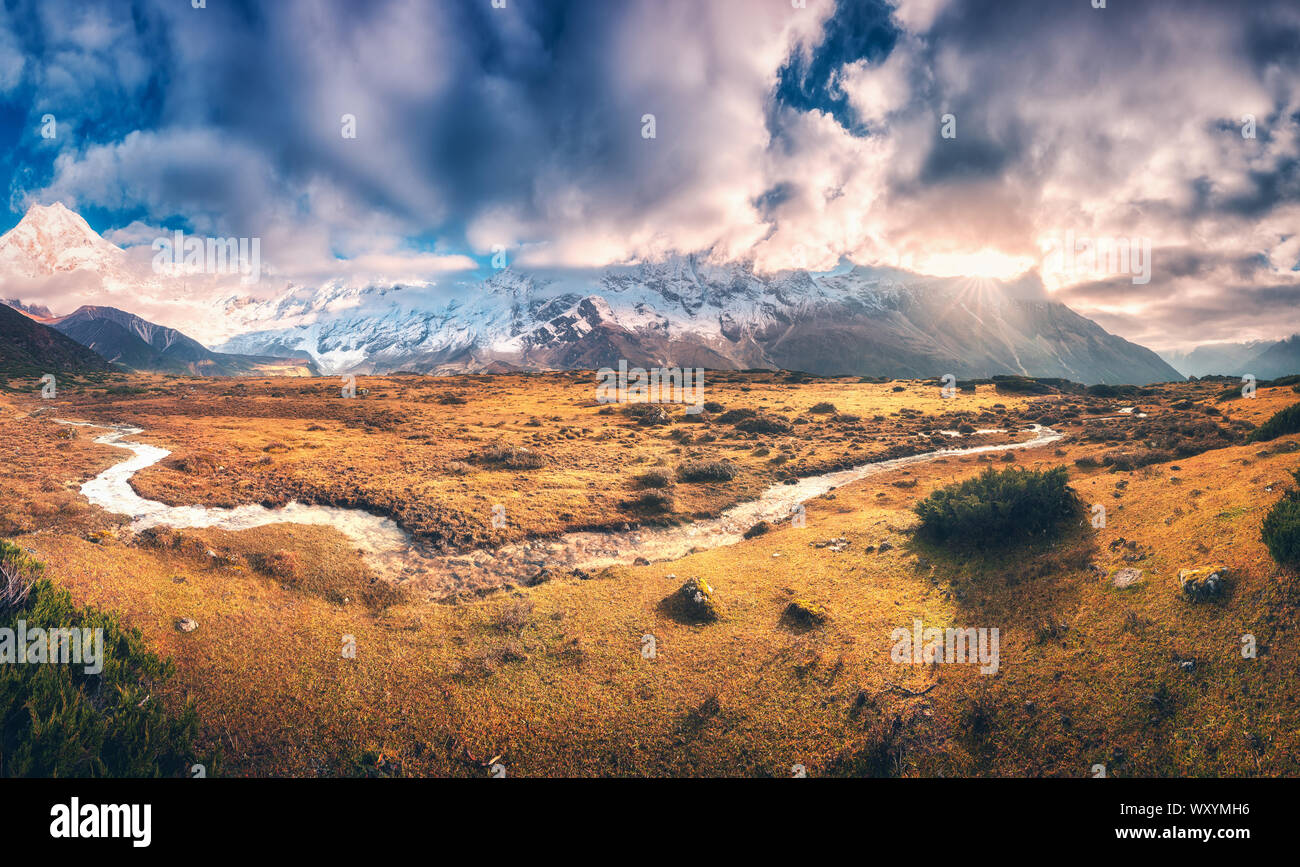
(555, 679)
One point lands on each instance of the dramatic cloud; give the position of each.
(792, 137)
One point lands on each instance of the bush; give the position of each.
(653, 501)
(18, 573)
(512, 457)
(1281, 530)
(1283, 422)
(998, 507)
(822, 408)
(524, 459)
(732, 416)
(764, 424)
(646, 413)
(56, 720)
(707, 471)
(1129, 461)
(656, 477)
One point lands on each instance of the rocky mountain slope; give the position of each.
(28, 346)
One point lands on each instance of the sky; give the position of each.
(972, 137)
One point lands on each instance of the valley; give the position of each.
(543, 668)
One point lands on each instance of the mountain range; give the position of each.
(1264, 359)
(685, 311)
(688, 312)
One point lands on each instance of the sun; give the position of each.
(986, 263)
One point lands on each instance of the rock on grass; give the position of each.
(804, 614)
(1126, 577)
(694, 601)
(1204, 584)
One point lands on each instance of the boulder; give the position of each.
(694, 600)
(1203, 584)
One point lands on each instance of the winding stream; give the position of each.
(394, 553)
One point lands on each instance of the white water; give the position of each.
(394, 553)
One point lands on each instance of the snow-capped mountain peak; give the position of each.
(51, 239)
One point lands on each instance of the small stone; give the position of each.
(1126, 577)
(185, 624)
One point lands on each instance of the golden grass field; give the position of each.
(550, 680)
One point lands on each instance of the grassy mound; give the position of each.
(57, 720)
(999, 507)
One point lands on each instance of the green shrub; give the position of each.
(1286, 421)
(1281, 530)
(56, 720)
(999, 507)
